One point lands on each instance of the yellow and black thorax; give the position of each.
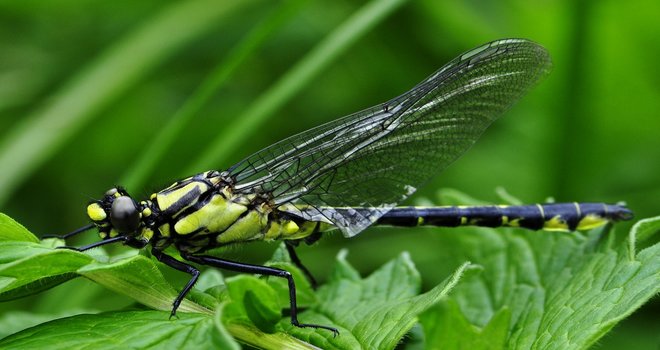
(195, 214)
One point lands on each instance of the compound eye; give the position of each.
(124, 215)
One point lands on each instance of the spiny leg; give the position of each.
(296, 261)
(183, 267)
(260, 270)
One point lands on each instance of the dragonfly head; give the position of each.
(115, 214)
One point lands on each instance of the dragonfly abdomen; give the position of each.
(554, 216)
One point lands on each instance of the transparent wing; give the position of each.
(351, 171)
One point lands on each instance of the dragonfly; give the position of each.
(346, 175)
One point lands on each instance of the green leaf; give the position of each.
(374, 312)
(536, 290)
(254, 300)
(139, 278)
(222, 339)
(11, 230)
(209, 279)
(15, 321)
(561, 290)
(304, 291)
(27, 268)
(343, 270)
(125, 329)
(641, 231)
(445, 319)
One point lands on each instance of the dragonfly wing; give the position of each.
(374, 159)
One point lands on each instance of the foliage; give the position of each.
(94, 94)
(537, 291)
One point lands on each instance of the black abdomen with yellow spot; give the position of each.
(551, 217)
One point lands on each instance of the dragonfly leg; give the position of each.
(296, 261)
(70, 234)
(183, 267)
(260, 270)
(95, 244)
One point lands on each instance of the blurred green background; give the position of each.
(87, 87)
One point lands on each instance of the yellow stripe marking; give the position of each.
(215, 216)
(556, 223)
(164, 230)
(247, 228)
(591, 221)
(147, 233)
(289, 227)
(167, 199)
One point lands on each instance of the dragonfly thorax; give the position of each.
(196, 214)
